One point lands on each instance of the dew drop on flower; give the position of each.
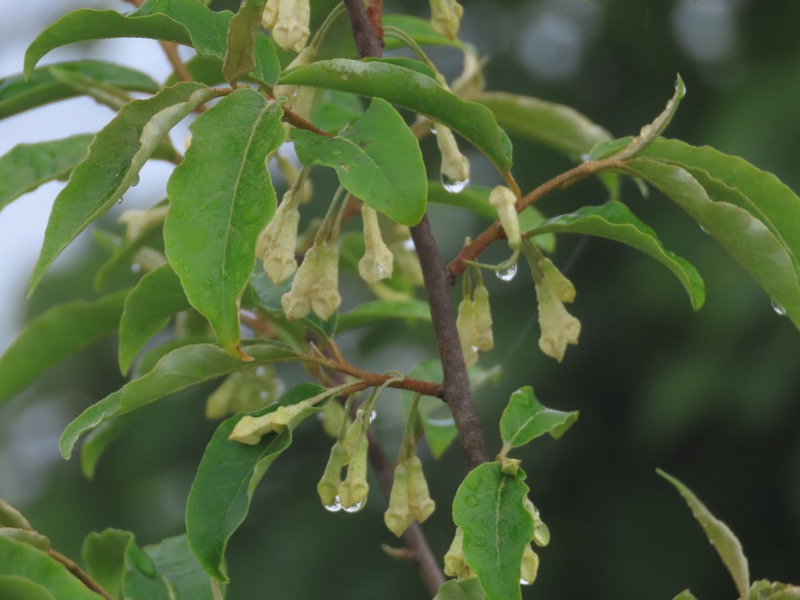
(409, 244)
(524, 581)
(779, 310)
(453, 185)
(372, 416)
(433, 128)
(334, 506)
(136, 267)
(507, 274)
(354, 508)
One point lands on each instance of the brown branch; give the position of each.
(79, 573)
(296, 120)
(367, 43)
(495, 232)
(375, 14)
(171, 52)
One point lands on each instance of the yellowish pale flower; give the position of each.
(420, 502)
(276, 245)
(465, 323)
(354, 489)
(558, 327)
(291, 29)
(455, 166)
(446, 17)
(484, 340)
(455, 565)
(398, 516)
(378, 261)
(529, 566)
(504, 202)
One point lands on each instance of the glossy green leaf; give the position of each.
(115, 158)
(721, 537)
(615, 221)
(180, 369)
(176, 563)
(464, 589)
(497, 527)
(221, 198)
(226, 479)
(418, 29)
(99, 439)
(22, 560)
(243, 31)
(377, 159)
(148, 308)
(555, 125)
(27, 166)
(18, 94)
(333, 110)
(54, 335)
(743, 235)
(378, 311)
(732, 179)
(14, 587)
(412, 90)
(524, 419)
(187, 22)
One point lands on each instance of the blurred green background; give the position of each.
(711, 397)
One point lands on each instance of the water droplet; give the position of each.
(372, 416)
(779, 309)
(381, 271)
(703, 229)
(263, 395)
(507, 274)
(541, 534)
(120, 200)
(584, 158)
(453, 185)
(261, 371)
(334, 506)
(409, 244)
(433, 128)
(524, 581)
(475, 348)
(136, 267)
(355, 507)
(135, 180)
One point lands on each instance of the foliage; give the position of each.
(250, 90)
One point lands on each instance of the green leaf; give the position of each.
(180, 369)
(465, 589)
(13, 587)
(54, 335)
(377, 311)
(115, 157)
(187, 22)
(418, 29)
(148, 308)
(176, 563)
(497, 527)
(525, 419)
(721, 537)
(23, 561)
(332, 110)
(203, 69)
(769, 590)
(10, 517)
(99, 439)
(124, 251)
(141, 578)
(27, 166)
(743, 235)
(243, 31)
(555, 125)
(412, 90)
(104, 556)
(18, 94)
(685, 595)
(613, 220)
(226, 479)
(732, 179)
(377, 159)
(221, 198)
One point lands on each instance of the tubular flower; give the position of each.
(270, 14)
(559, 328)
(250, 430)
(291, 25)
(315, 287)
(299, 99)
(484, 340)
(465, 323)
(471, 82)
(378, 261)
(455, 565)
(398, 516)
(529, 566)
(277, 243)
(328, 486)
(354, 489)
(446, 17)
(455, 166)
(504, 202)
(421, 504)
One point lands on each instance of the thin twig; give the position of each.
(367, 43)
(79, 573)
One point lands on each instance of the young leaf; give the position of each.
(488, 508)
(14, 586)
(243, 31)
(180, 369)
(25, 562)
(226, 479)
(379, 310)
(685, 595)
(615, 221)
(525, 419)
(412, 90)
(555, 125)
(54, 335)
(418, 29)
(377, 159)
(464, 589)
(721, 537)
(176, 563)
(18, 94)
(115, 157)
(104, 556)
(27, 166)
(148, 307)
(742, 234)
(186, 22)
(732, 179)
(221, 197)
(99, 439)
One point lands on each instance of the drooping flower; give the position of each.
(504, 202)
(558, 327)
(276, 245)
(446, 17)
(378, 261)
(455, 166)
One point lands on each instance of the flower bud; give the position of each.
(290, 174)
(249, 430)
(558, 327)
(529, 566)
(465, 323)
(421, 504)
(291, 29)
(138, 222)
(504, 202)
(276, 245)
(325, 298)
(398, 516)
(446, 17)
(484, 339)
(378, 261)
(455, 565)
(353, 490)
(471, 82)
(328, 486)
(455, 166)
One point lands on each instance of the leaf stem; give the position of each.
(79, 573)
